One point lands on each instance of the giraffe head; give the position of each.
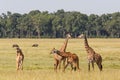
(81, 36)
(54, 51)
(68, 35)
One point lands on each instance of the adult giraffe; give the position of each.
(92, 56)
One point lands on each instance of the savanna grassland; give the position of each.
(38, 63)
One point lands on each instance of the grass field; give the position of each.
(38, 63)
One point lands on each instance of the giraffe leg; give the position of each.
(17, 63)
(99, 66)
(64, 62)
(17, 66)
(75, 66)
(56, 65)
(78, 67)
(89, 66)
(65, 67)
(21, 65)
(59, 64)
(93, 65)
(71, 67)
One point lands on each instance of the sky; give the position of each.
(84, 6)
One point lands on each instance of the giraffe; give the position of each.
(19, 59)
(92, 56)
(63, 49)
(72, 59)
(58, 58)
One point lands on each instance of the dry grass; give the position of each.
(38, 63)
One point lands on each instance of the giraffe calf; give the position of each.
(71, 59)
(58, 59)
(19, 59)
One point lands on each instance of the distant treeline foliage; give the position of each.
(37, 24)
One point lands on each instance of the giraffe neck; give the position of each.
(88, 48)
(86, 42)
(64, 46)
(63, 54)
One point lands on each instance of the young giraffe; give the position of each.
(72, 59)
(59, 58)
(19, 59)
(92, 56)
(63, 49)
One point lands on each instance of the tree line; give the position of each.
(37, 24)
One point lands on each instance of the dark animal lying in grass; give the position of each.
(35, 45)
